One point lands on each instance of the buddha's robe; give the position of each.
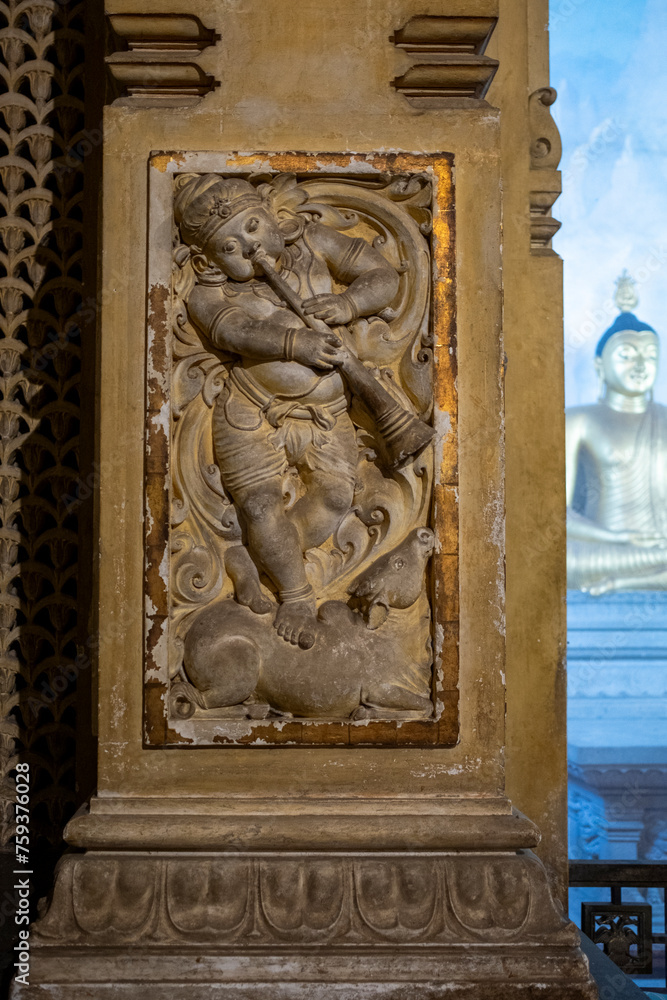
(625, 492)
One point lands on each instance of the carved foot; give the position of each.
(243, 574)
(256, 709)
(361, 713)
(296, 622)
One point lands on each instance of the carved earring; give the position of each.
(291, 227)
(202, 265)
(600, 384)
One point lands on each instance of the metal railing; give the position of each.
(625, 929)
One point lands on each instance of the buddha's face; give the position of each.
(629, 362)
(231, 247)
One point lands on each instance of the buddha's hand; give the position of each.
(336, 310)
(644, 540)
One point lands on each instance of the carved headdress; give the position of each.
(626, 299)
(205, 202)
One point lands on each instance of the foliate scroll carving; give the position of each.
(301, 901)
(41, 175)
(40, 292)
(154, 58)
(545, 179)
(300, 392)
(448, 59)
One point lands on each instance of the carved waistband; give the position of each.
(277, 408)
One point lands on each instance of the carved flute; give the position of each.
(404, 434)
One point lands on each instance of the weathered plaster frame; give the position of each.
(347, 795)
(159, 728)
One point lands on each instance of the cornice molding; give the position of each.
(153, 58)
(637, 779)
(545, 179)
(448, 59)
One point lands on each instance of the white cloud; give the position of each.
(614, 204)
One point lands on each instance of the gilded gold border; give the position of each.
(159, 730)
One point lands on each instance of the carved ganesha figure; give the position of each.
(302, 471)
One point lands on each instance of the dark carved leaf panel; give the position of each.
(41, 194)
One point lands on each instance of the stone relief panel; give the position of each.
(294, 407)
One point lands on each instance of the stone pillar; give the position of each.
(301, 783)
(534, 430)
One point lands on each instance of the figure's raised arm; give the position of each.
(372, 281)
(229, 328)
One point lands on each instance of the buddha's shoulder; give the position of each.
(660, 411)
(584, 414)
(596, 414)
(587, 423)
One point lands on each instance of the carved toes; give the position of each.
(296, 636)
(284, 630)
(306, 639)
(291, 635)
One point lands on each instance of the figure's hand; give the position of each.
(310, 347)
(333, 309)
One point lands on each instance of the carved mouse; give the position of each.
(235, 661)
(394, 580)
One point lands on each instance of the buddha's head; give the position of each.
(627, 356)
(225, 221)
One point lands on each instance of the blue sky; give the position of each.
(609, 68)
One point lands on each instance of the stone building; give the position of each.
(282, 496)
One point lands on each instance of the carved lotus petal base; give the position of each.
(293, 925)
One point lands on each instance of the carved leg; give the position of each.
(318, 514)
(244, 576)
(224, 668)
(275, 544)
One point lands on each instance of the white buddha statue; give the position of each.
(617, 465)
